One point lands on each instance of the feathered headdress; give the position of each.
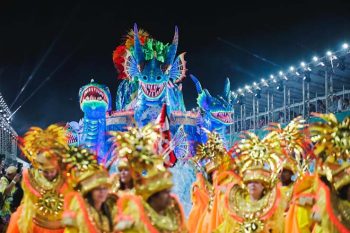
(296, 141)
(121, 51)
(258, 160)
(40, 146)
(146, 166)
(332, 147)
(212, 154)
(83, 170)
(332, 138)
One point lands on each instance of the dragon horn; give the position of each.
(137, 45)
(173, 48)
(197, 83)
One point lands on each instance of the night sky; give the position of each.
(74, 43)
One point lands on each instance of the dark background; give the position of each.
(243, 42)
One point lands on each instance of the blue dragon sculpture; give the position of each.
(216, 111)
(153, 75)
(95, 101)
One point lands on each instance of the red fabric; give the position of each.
(118, 60)
(163, 121)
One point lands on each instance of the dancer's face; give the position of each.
(125, 176)
(286, 177)
(51, 174)
(100, 194)
(255, 189)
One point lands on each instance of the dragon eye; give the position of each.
(144, 78)
(158, 78)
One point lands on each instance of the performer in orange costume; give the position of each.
(255, 205)
(88, 210)
(295, 141)
(153, 209)
(209, 189)
(44, 185)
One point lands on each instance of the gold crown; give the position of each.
(84, 171)
(258, 160)
(212, 153)
(43, 147)
(147, 168)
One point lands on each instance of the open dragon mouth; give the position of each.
(71, 139)
(224, 117)
(94, 93)
(152, 90)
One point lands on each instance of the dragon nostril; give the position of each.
(158, 78)
(144, 77)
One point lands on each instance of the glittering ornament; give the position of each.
(50, 204)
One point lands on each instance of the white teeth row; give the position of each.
(87, 94)
(223, 116)
(94, 89)
(152, 90)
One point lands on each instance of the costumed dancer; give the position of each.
(122, 182)
(332, 208)
(295, 141)
(153, 209)
(44, 185)
(213, 162)
(87, 210)
(298, 193)
(255, 205)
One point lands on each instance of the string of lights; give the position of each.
(303, 68)
(8, 136)
(314, 86)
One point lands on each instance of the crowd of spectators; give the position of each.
(336, 104)
(11, 192)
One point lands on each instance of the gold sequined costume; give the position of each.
(42, 205)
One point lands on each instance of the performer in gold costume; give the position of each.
(122, 182)
(255, 205)
(87, 210)
(44, 185)
(153, 209)
(213, 162)
(295, 141)
(332, 209)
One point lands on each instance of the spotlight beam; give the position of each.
(248, 52)
(43, 58)
(45, 81)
